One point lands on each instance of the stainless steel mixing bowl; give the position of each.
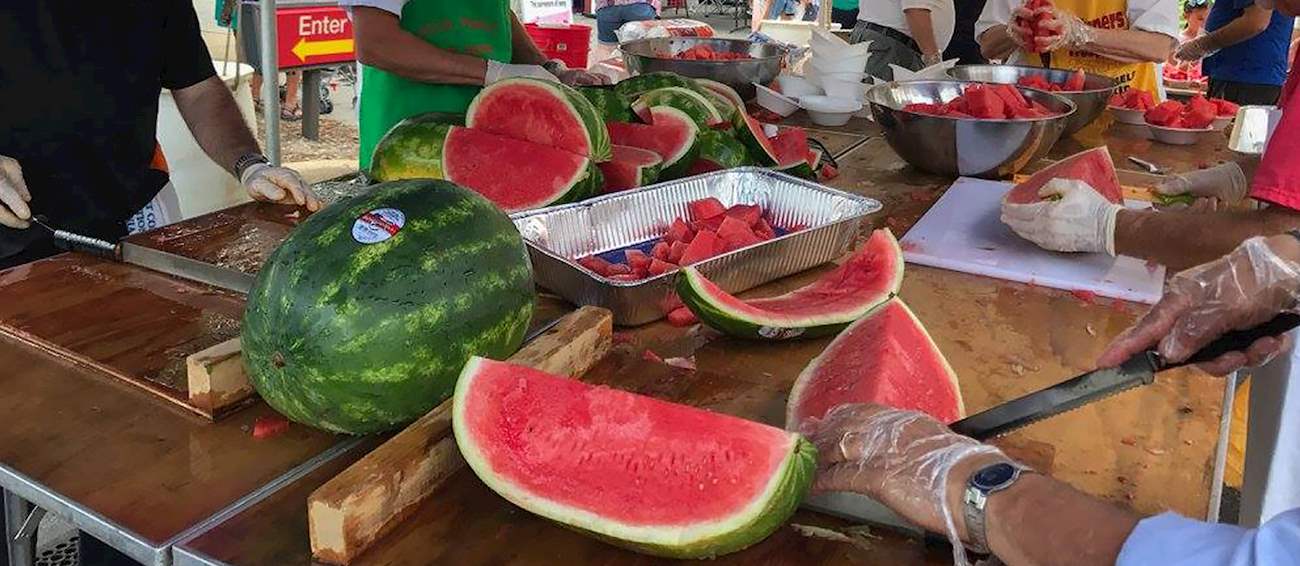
(1091, 101)
(656, 54)
(963, 146)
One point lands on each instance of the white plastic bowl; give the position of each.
(1177, 136)
(776, 102)
(829, 111)
(795, 86)
(850, 89)
(841, 65)
(1221, 123)
(844, 74)
(1128, 115)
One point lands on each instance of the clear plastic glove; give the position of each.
(1226, 182)
(579, 77)
(498, 71)
(1245, 288)
(1079, 221)
(281, 185)
(1071, 32)
(1196, 49)
(14, 195)
(899, 458)
(1018, 33)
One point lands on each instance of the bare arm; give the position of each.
(1181, 239)
(1252, 22)
(214, 119)
(919, 21)
(382, 43)
(996, 43)
(522, 46)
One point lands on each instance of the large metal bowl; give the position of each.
(656, 54)
(963, 146)
(1091, 101)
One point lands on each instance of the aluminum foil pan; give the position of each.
(559, 235)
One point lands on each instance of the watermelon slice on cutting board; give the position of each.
(631, 167)
(868, 278)
(543, 113)
(645, 474)
(1093, 166)
(671, 135)
(886, 358)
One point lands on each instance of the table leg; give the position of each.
(20, 530)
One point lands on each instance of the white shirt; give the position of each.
(889, 13)
(1157, 16)
(1171, 539)
(393, 7)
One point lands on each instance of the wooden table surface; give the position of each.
(1149, 449)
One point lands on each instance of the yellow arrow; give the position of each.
(304, 49)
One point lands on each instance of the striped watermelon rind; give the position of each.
(763, 515)
(724, 312)
(597, 136)
(725, 98)
(609, 104)
(412, 149)
(750, 132)
(694, 104)
(722, 149)
(634, 86)
(359, 338)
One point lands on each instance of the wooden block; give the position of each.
(217, 381)
(351, 511)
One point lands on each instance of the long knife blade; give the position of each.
(186, 268)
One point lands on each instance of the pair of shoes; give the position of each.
(292, 114)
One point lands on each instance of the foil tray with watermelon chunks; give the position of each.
(828, 220)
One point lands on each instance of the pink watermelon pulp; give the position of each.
(791, 147)
(630, 167)
(672, 137)
(473, 158)
(1093, 166)
(886, 358)
(750, 132)
(658, 477)
(543, 113)
(868, 278)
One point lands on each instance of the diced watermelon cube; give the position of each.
(1164, 113)
(984, 103)
(1202, 106)
(660, 267)
(675, 252)
(661, 251)
(764, 231)
(1116, 100)
(705, 208)
(1142, 100)
(637, 259)
(703, 247)
(679, 231)
(618, 269)
(682, 317)
(1200, 117)
(923, 108)
(1011, 99)
(828, 172)
(595, 264)
(732, 226)
(710, 224)
(1075, 82)
(740, 240)
(749, 213)
(1224, 107)
(627, 277)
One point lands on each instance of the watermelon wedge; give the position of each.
(1093, 166)
(645, 474)
(632, 87)
(716, 151)
(750, 132)
(671, 136)
(474, 158)
(541, 112)
(725, 98)
(868, 278)
(630, 167)
(886, 358)
(698, 106)
(610, 105)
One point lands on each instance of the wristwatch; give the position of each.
(248, 160)
(554, 66)
(984, 482)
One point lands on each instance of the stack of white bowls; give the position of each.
(837, 68)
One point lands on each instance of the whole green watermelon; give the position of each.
(363, 318)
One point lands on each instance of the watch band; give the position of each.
(248, 160)
(975, 499)
(554, 66)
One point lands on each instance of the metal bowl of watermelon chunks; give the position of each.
(740, 227)
(737, 63)
(922, 126)
(1087, 91)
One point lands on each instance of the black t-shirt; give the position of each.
(79, 86)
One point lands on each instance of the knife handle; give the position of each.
(85, 244)
(1239, 340)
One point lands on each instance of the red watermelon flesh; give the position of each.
(790, 146)
(751, 133)
(1224, 107)
(656, 476)
(887, 358)
(637, 259)
(627, 169)
(1093, 166)
(705, 208)
(1075, 82)
(532, 111)
(659, 267)
(676, 251)
(671, 136)
(702, 247)
(473, 158)
(1164, 113)
(750, 213)
(661, 251)
(679, 231)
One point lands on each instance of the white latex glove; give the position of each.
(281, 185)
(901, 459)
(1196, 49)
(1226, 182)
(1071, 32)
(1245, 288)
(14, 195)
(497, 71)
(579, 77)
(1080, 221)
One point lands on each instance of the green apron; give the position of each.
(480, 28)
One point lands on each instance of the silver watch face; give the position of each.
(993, 477)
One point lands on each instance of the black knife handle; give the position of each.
(1240, 340)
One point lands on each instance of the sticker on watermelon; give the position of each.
(1093, 167)
(641, 473)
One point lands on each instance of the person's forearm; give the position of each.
(524, 50)
(922, 27)
(996, 43)
(1131, 45)
(1182, 239)
(382, 43)
(1081, 530)
(215, 121)
(1252, 22)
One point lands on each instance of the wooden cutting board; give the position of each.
(238, 238)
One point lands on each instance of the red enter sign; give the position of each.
(313, 36)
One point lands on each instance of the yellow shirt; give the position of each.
(1103, 14)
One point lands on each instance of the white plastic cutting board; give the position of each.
(963, 232)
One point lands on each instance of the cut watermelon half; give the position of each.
(750, 132)
(1093, 166)
(886, 358)
(656, 477)
(671, 136)
(868, 278)
(541, 112)
(698, 106)
(474, 158)
(631, 167)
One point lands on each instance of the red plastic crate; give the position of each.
(570, 44)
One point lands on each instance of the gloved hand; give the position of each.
(282, 185)
(1226, 182)
(497, 71)
(901, 459)
(1247, 287)
(579, 77)
(931, 59)
(14, 196)
(1071, 32)
(1196, 49)
(1080, 221)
